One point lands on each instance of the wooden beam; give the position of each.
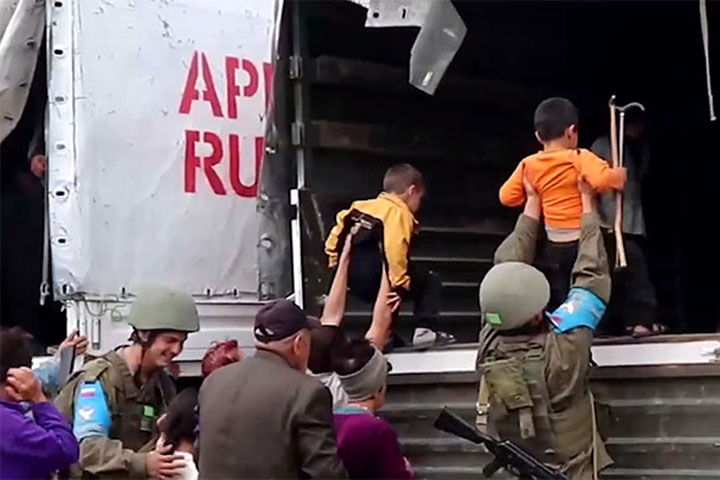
(398, 140)
(375, 76)
(378, 139)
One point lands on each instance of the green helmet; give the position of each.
(164, 309)
(511, 294)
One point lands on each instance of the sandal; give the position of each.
(647, 330)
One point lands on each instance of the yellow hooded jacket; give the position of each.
(399, 225)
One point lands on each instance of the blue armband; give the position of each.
(91, 414)
(582, 308)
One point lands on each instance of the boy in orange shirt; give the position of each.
(553, 173)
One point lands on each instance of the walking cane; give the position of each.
(617, 148)
(620, 260)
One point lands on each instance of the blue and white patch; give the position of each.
(91, 414)
(582, 308)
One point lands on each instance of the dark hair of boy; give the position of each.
(553, 116)
(351, 355)
(15, 350)
(181, 418)
(399, 178)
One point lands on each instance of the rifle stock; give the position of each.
(507, 455)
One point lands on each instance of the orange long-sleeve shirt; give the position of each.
(554, 176)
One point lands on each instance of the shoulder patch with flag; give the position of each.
(91, 412)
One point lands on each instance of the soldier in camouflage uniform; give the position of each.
(114, 401)
(535, 365)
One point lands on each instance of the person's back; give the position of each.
(264, 418)
(367, 445)
(555, 368)
(554, 175)
(256, 427)
(535, 365)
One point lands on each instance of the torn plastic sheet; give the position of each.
(442, 31)
(21, 29)
(362, 3)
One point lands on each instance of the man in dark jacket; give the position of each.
(264, 418)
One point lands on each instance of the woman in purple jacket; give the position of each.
(367, 445)
(35, 439)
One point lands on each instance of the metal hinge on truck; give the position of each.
(295, 69)
(297, 134)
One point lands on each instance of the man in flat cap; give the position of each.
(535, 364)
(264, 418)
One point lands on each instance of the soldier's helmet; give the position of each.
(158, 308)
(512, 294)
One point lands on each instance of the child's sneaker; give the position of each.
(426, 338)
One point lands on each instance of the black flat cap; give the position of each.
(279, 320)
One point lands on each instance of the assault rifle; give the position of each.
(509, 456)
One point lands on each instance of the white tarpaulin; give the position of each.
(155, 182)
(21, 28)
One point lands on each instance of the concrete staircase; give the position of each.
(665, 422)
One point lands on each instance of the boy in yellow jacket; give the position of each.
(387, 224)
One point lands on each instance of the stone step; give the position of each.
(659, 418)
(629, 453)
(472, 473)
(664, 422)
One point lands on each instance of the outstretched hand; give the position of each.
(347, 246)
(393, 301)
(80, 342)
(162, 463)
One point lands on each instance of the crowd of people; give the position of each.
(304, 404)
(121, 415)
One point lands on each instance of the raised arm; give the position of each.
(386, 303)
(521, 244)
(591, 270)
(334, 308)
(587, 300)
